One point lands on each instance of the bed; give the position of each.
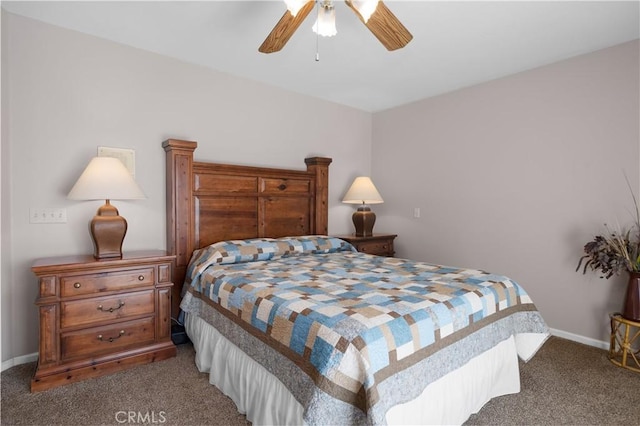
(297, 327)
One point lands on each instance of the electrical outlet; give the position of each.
(47, 215)
(416, 212)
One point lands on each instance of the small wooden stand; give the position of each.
(625, 343)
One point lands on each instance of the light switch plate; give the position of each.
(47, 215)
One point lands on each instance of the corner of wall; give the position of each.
(5, 228)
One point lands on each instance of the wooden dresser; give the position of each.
(378, 244)
(98, 317)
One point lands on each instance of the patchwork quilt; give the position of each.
(364, 332)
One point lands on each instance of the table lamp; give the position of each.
(363, 192)
(106, 178)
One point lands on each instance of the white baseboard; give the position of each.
(580, 339)
(559, 333)
(24, 359)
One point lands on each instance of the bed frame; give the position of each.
(209, 202)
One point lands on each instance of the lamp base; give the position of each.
(363, 219)
(108, 229)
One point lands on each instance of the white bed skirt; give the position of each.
(449, 400)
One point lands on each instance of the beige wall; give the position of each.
(70, 93)
(514, 176)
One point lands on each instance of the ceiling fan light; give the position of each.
(365, 8)
(294, 6)
(325, 25)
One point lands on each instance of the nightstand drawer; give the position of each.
(374, 247)
(107, 281)
(376, 244)
(92, 311)
(111, 338)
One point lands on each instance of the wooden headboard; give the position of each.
(209, 202)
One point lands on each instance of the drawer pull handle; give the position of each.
(282, 187)
(140, 277)
(111, 309)
(77, 285)
(111, 339)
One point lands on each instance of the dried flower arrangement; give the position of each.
(616, 251)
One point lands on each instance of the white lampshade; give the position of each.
(365, 8)
(325, 25)
(105, 178)
(362, 191)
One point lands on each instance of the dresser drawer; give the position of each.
(107, 281)
(103, 340)
(107, 308)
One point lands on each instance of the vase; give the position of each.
(631, 310)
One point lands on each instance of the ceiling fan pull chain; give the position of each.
(318, 32)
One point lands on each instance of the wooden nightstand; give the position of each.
(98, 317)
(378, 244)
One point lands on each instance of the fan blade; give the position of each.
(386, 27)
(284, 29)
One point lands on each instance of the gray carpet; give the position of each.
(565, 383)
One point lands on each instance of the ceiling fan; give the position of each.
(373, 13)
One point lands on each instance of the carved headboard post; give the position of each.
(179, 172)
(320, 166)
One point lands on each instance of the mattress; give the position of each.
(337, 336)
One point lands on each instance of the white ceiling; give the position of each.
(456, 44)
